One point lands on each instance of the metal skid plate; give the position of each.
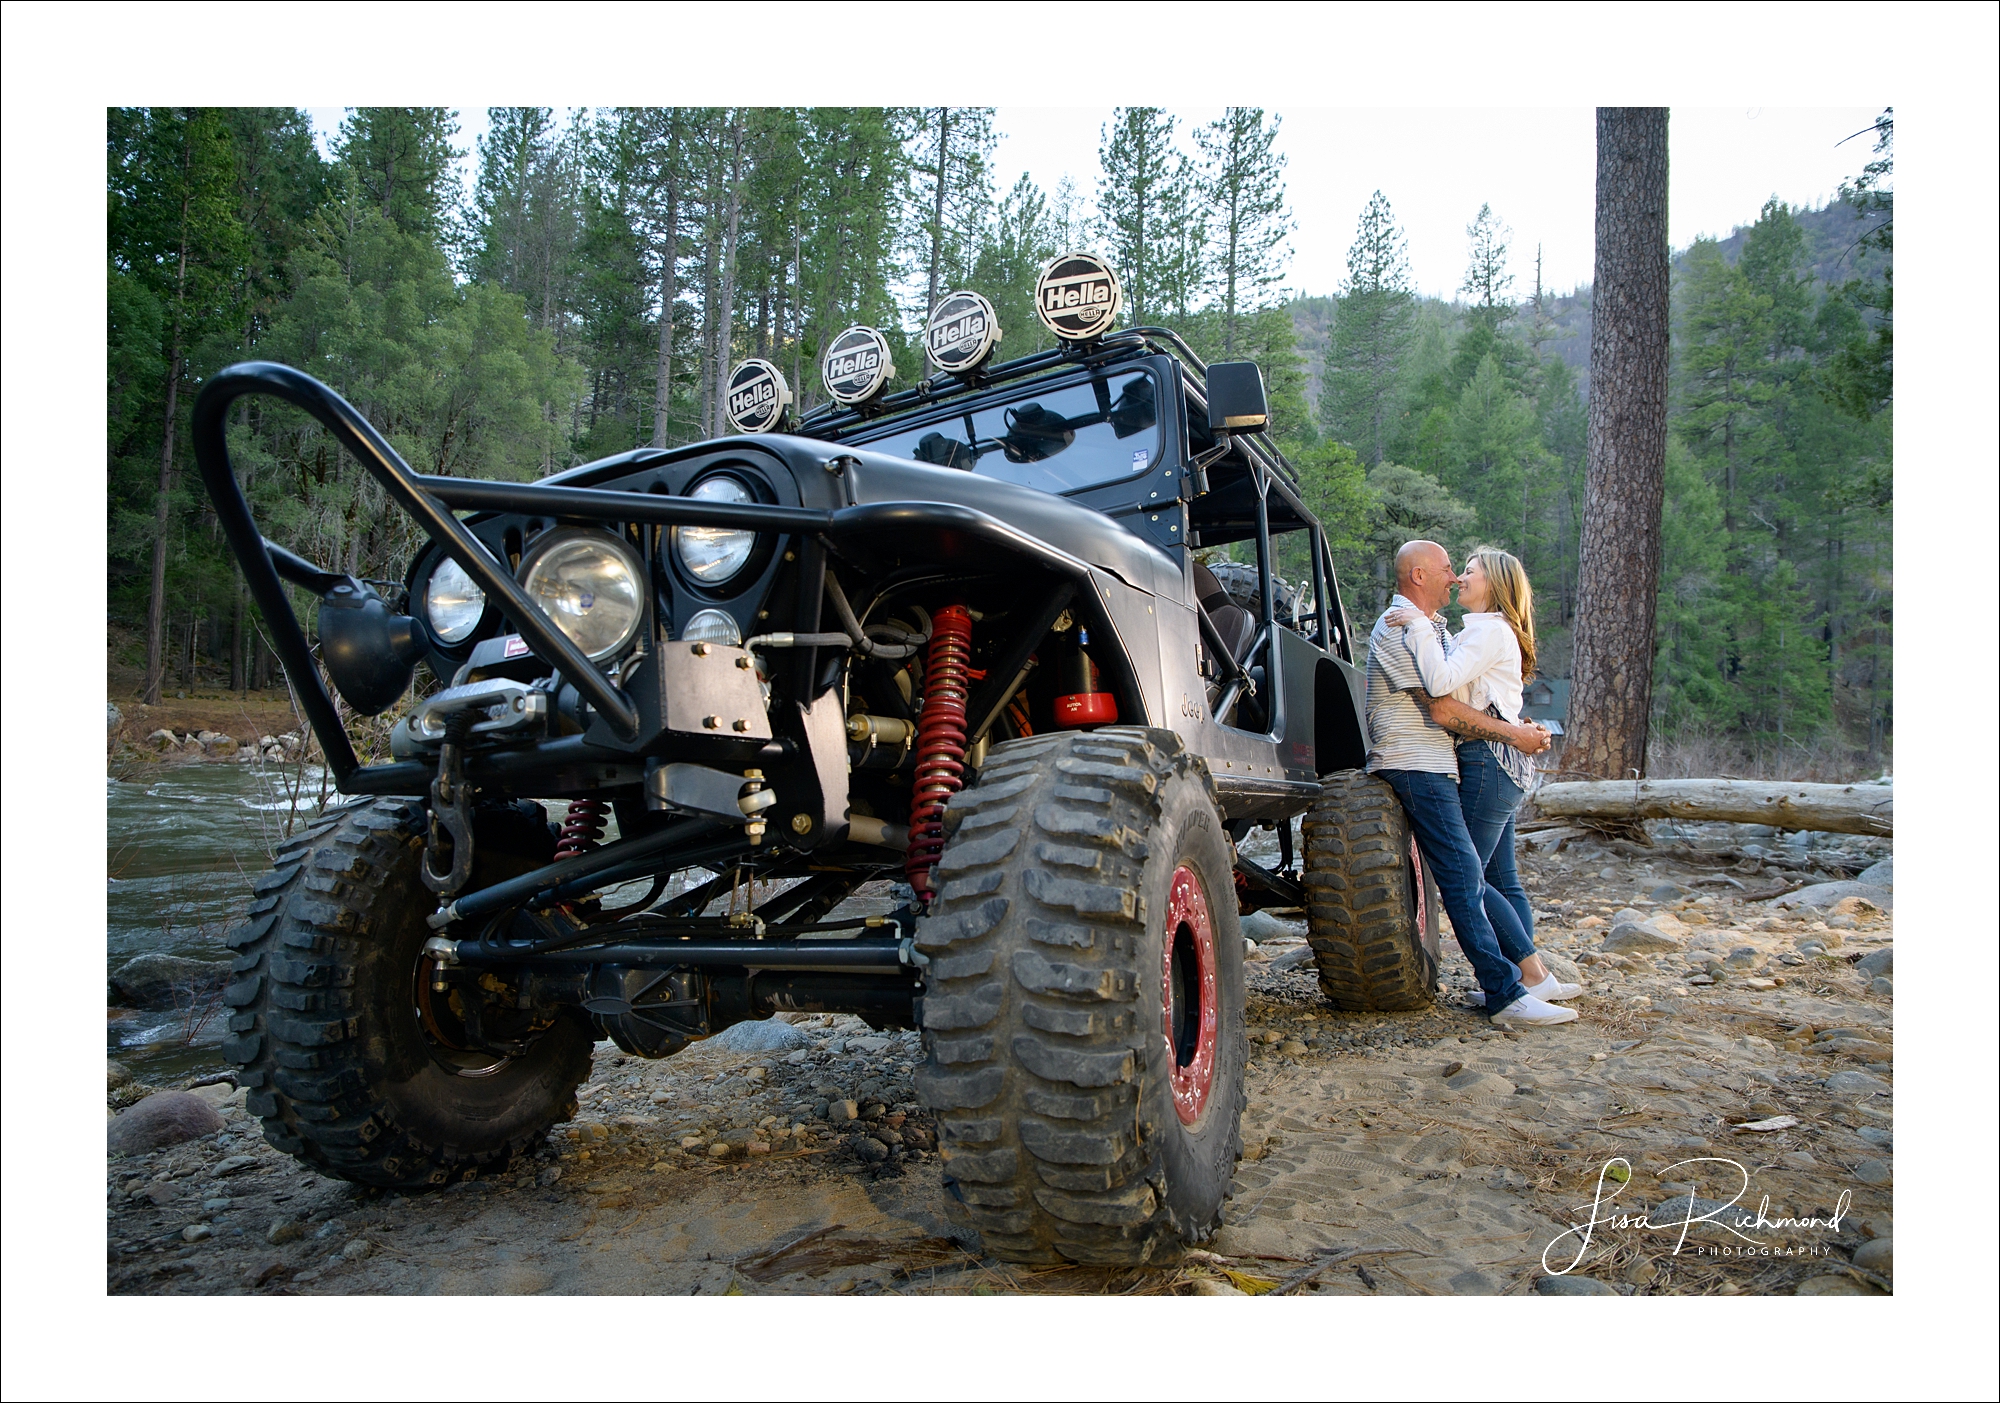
(711, 689)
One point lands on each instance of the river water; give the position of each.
(184, 845)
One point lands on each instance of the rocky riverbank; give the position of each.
(1725, 1040)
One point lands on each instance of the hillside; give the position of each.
(1832, 237)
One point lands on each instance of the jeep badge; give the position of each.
(857, 365)
(1077, 296)
(962, 332)
(757, 397)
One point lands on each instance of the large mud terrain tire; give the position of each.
(1371, 909)
(325, 1019)
(1084, 1012)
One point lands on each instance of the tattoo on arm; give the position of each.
(1476, 730)
(1462, 720)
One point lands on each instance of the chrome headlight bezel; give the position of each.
(736, 548)
(561, 540)
(455, 578)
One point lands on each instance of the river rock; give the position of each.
(1877, 1256)
(1666, 891)
(163, 981)
(1848, 1083)
(1876, 1172)
(115, 1075)
(1882, 874)
(1880, 964)
(1822, 895)
(283, 1231)
(163, 739)
(1832, 1285)
(113, 717)
(1573, 1286)
(162, 1119)
(1261, 926)
(763, 1035)
(1636, 939)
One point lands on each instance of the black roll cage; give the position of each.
(430, 501)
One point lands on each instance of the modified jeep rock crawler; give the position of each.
(956, 637)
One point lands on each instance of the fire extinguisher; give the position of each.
(1082, 701)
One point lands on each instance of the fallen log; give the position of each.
(1824, 808)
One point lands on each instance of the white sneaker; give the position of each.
(1532, 1012)
(1550, 990)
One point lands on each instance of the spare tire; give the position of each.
(1371, 907)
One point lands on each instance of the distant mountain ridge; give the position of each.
(1833, 233)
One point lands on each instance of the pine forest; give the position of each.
(589, 290)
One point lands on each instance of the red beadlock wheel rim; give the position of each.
(1189, 1011)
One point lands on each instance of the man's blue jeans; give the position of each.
(1432, 802)
(1490, 797)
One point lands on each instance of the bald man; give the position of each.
(1411, 747)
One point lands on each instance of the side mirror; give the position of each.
(1236, 402)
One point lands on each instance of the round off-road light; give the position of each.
(713, 554)
(453, 603)
(590, 583)
(712, 626)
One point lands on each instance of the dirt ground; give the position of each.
(1427, 1154)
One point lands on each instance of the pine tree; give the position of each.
(1487, 279)
(1861, 375)
(1611, 703)
(402, 157)
(176, 243)
(1140, 175)
(1011, 256)
(1371, 333)
(1243, 181)
(952, 197)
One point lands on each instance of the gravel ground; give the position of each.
(1387, 1154)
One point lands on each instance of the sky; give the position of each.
(1437, 165)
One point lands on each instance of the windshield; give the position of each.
(1061, 440)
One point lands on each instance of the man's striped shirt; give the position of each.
(1401, 734)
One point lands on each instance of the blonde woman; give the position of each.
(1486, 666)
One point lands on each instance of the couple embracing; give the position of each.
(1445, 732)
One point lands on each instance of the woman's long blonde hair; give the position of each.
(1513, 598)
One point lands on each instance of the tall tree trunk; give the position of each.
(726, 318)
(799, 298)
(663, 381)
(156, 606)
(937, 222)
(237, 673)
(1620, 545)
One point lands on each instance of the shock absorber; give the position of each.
(582, 827)
(940, 742)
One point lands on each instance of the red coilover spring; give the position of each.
(940, 742)
(582, 827)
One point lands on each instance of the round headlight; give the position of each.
(713, 554)
(453, 603)
(590, 585)
(711, 626)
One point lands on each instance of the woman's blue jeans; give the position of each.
(1489, 799)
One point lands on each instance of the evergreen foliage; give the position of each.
(606, 267)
